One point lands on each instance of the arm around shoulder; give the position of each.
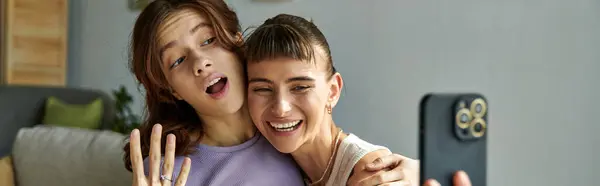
(361, 175)
(383, 167)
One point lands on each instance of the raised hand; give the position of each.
(155, 177)
(460, 179)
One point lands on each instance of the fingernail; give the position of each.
(170, 138)
(134, 132)
(433, 183)
(375, 165)
(157, 128)
(462, 176)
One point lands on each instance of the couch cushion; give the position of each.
(51, 155)
(60, 113)
(23, 106)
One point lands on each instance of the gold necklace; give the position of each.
(330, 162)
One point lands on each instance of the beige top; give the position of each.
(350, 150)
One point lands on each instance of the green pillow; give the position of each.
(58, 113)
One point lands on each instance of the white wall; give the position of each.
(536, 61)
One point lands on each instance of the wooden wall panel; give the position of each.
(36, 35)
(2, 41)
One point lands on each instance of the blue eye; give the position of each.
(208, 41)
(177, 62)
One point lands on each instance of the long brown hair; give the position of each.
(176, 116)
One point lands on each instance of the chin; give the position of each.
(285, 148)
(283, 144)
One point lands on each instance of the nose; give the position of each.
(201, 64)
(281, 107)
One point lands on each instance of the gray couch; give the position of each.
(23, 106)
(61, 156)
(50, 155)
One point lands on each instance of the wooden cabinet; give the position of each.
(34, 42)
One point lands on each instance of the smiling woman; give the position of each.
(188, 56)
(292, 90)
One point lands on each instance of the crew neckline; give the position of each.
(242, 146)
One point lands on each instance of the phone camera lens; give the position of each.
(464, 118)
(478, 108)
(478, 127)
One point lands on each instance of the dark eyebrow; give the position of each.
(300, 78)
(257, 80)
(173, 43)
(264, 80)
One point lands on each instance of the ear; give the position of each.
(336, 83)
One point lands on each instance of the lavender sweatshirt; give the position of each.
(254, 162)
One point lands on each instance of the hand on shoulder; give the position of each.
(382, 167)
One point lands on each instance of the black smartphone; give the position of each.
(453, 130)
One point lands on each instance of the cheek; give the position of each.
(228, 60)
(312, 106)
(175, 83)
(235, 68)
(179, 82)
(256, 105)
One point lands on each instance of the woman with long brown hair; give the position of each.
(188, 56)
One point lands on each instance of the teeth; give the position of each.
(213, 82)
(285, 126)
(285, 130)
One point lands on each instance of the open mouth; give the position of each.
(286, 127)
(216, 86)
